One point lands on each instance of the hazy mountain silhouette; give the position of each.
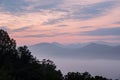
(92, 50)
(77, 45)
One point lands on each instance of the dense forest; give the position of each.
(17, 63)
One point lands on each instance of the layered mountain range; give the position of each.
(86, 51)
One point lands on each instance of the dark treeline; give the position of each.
(19, 64)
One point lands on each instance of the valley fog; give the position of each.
(102, 67)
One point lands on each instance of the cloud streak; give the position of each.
(47, 35)
(104, 32)
(22, 29)
(15, 30)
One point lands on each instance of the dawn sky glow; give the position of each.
(63, 21)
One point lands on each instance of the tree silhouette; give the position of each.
(19, 64)
(8, 56)
(73, 76)
(100, 78)
(82, 76)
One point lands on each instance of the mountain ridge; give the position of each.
(92, 50)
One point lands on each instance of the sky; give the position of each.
(64, 21)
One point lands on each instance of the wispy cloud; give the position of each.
(83, 12)
(46, 35)
(13, 6)
(45, 4)
(62, 25)
(85, 26)
(22, 29)
(94, 10)
(104, 32)
(22, 6)
(117, 22)
(53, 21)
